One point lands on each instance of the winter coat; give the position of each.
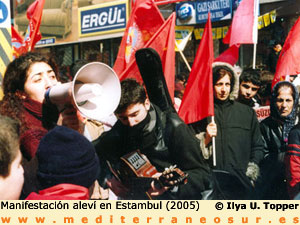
(275, 130)
(239, 146)
(61, 192)
(166, 140)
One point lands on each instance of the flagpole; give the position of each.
(255, 31)
(254, 56)
(183, 57)
(214, 145)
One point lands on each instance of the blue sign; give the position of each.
(185, 11)
(46, 41)
(102, 19)
(219, 10)
(3, 12)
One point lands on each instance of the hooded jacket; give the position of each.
(239, 146)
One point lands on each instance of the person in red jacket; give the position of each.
(67, 166)
(25, 82)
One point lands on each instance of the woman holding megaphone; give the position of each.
(24, 85)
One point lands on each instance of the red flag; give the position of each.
(145, 19)
(226, 39)
(163, 41)
(243, 29)
(289, 59)
(230, 55)
(17, 43)
(198, 101)
(34, 15)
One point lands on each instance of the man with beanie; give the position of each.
(67, 166)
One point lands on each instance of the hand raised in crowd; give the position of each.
(211, 131)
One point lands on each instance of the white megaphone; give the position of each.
(96, 91)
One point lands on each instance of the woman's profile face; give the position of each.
(40, 77)
(285, 101)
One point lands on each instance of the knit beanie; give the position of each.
(66, 156)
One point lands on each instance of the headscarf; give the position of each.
(289, 121)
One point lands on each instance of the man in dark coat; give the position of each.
(162, 136)
(239, 146)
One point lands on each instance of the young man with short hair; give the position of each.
(249, 85)
(161, 136)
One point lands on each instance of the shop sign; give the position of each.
(4, 14)
(197, 12)
(46, 41)
(103, 18)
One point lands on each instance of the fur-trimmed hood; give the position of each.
(235, 89)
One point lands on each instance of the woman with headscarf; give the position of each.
(275, 130)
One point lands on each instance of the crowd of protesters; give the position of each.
(50, 154)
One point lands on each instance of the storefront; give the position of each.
(92, 29)
(72, 30)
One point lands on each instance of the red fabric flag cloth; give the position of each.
(145, 19)
(230, 55)
(163, 41)
(34, 15)
(226, 39)
(243, 29)
(198, 100)
(17, 43)
(289, 59)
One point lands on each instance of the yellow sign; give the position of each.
(198, 33)
(225, 30)
(214, 33)
(260, 22)
(182, 36)
(219, 32)
(273, 16)
(266, 19)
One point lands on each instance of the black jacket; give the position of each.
(238, 140)
(165, 140)
(272, 184)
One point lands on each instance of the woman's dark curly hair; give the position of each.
(13, 84)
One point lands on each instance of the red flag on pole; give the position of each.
(289, 59)
(163, 41)
(243, 29)
(145, 19)
(17, 43)
(34, 15)
(198, 101)
(230, 55)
